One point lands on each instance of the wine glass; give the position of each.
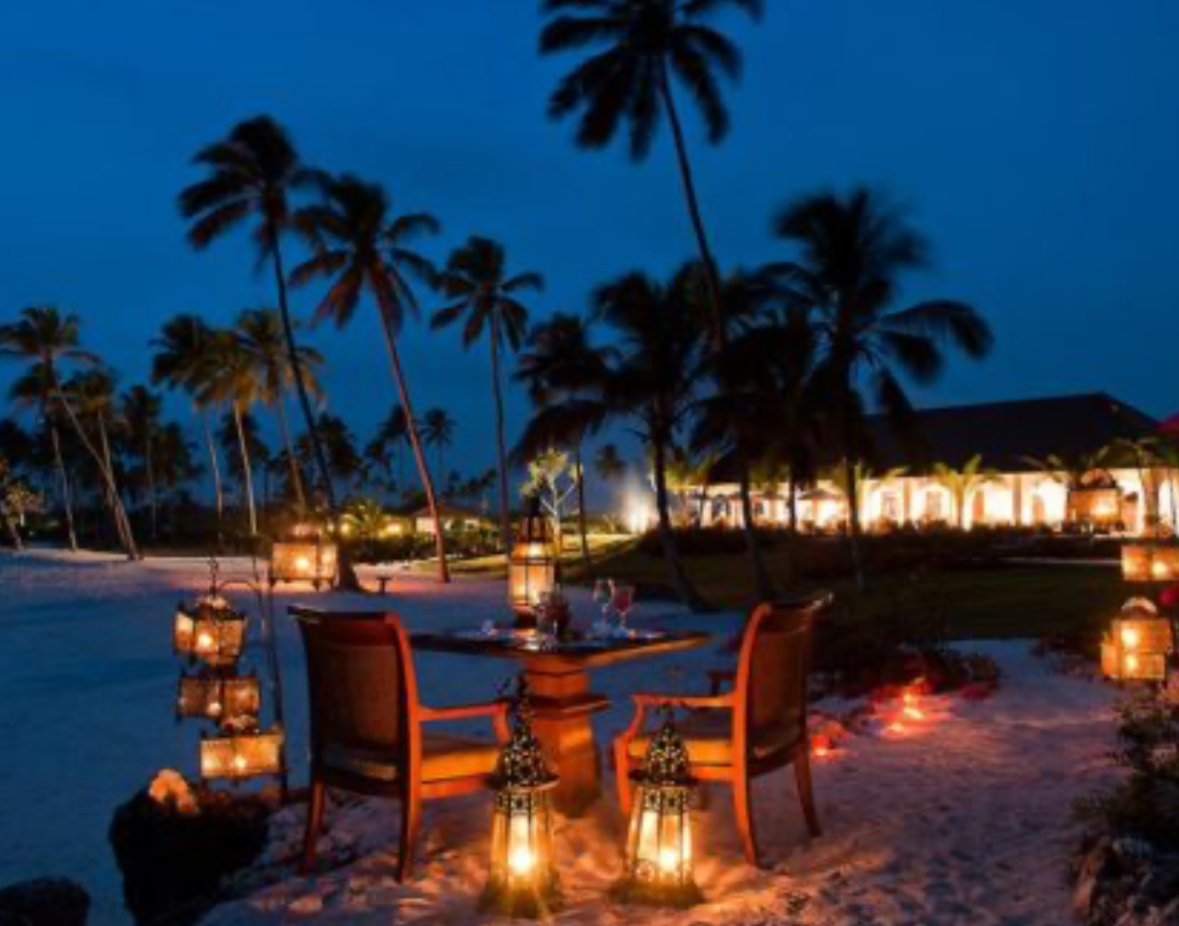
(623, 600)
(603, 595)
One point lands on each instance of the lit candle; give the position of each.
(1131, 637)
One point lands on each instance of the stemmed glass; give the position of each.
(623, 600)
(604, 596)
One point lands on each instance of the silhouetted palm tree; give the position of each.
(340, 446)
(852, 251)
(140, 412)
(252, 173)
(391, 438)
(359, 248)
(477, 277)
(438, 432)
(644, 45)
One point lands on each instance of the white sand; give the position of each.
(961, 819)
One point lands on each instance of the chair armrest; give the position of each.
(496, 710)
(717, 677)
(643, 701)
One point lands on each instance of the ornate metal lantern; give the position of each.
(242, 751)
(523, 879)
(659, 850)
(311, 561)
(1148, 562)
(532, 567)
(219, 697)
(1138, 644)
(210, 630)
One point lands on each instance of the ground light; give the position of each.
(659, 850)
(1150, 562)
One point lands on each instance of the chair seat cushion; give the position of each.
(443, 757)
(708, 735)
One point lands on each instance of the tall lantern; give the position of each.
(532, 567)
(1138, 644)
(523, 878)
(659, 839)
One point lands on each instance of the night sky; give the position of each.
(1037, 144)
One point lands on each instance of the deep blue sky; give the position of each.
(1036, 142)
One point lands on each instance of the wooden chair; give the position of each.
(367, 724)
(760, 725)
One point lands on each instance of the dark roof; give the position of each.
(1006, 433)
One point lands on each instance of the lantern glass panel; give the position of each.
(215, 636)
(523, 880)
(220, 699)
(242, 755)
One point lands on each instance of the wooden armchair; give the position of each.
(756, 727)
(367, 724)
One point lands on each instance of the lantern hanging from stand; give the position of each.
(219, 697)
(1137, 646)
(210, 631)
(532, 566)
(659, 850)
(242, 751)
(523, 879)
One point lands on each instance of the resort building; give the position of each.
(1042, 463)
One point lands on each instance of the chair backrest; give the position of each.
(773, 670)
(361, 686)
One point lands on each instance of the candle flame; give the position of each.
(521, 860)
(669, 860)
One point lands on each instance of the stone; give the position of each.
(44, 902)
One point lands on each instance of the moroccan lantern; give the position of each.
(532, 567)
(242, 751)
(210, 631)
(1137, 646)
(311, 561)
(523, 879)
(1146, 562)
(659, 851)
(217, 697)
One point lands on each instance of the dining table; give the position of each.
(557, 674)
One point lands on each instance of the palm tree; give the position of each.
(260, 337)
(963, 483)
(391, 437)
(438, 432)
(359, 248)
(174, 465)
(184, 361)
(340, 446)
(251, 174)
(608, 463)
(140, 412)
(645, 44)
(561, 368)
(44, 338)
(852, 251)
(476, 277)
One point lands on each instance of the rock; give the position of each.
(44, 902)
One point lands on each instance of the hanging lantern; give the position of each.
(210, 631)
(1137, 646)
(532, 567)
(220, 698)
(1147, 562)
(311, 561)
(523, 880)
(244, 752)
(659, 839)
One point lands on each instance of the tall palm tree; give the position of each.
(340, 446)
(438, 432)
(140, 412)
(261, 340)
(476, 277)
(391, 437)
(45, 338)
(361, 248)
(184, 361)
(251, 175)
(559, 368)
(851, 253)
(644, 46)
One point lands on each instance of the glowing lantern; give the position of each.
(1138, 644)
(523, 879)
(211, 631)
(1145, 562)
(311, 561)
(242, 753)
(659, 840)
(221, 698)
(532, 567)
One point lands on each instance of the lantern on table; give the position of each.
(210, 630)
(1137, 646)
(218, 697)
(659, 866)
(532, 566)
(523, 879)
(1147, 562)
(242, 750)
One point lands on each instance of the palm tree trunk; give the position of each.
(114, 498)
(247, 474)
(765, 588)
(296, 477)
(415, 442)
(581, 516)
(63, 480)
(711, 275)
(215, 472)
(679, 578)
(152, 501)
(505, 528)
(853, 521)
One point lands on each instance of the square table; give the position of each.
(558, 685)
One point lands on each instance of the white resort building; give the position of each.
(1040, 464)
